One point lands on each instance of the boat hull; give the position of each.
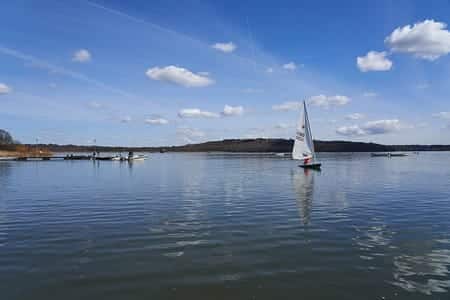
(311, 166)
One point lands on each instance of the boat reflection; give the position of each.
(303, 182)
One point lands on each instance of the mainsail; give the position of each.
(303, 144)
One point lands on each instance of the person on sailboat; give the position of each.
(306, 160)
(303, 149)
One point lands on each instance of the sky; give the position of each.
(152, 73)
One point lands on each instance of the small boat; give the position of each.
(132, 156)
(398, 154)
(104, 158)
(388, 154)
(303, 144)
(379, 154)
(137, 157)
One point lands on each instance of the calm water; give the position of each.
(218, 226)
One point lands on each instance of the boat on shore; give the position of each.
(303, 145)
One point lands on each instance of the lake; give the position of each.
(226, 226)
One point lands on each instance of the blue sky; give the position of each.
(175, 72)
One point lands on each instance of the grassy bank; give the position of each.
(23, 151)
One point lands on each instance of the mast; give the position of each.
(308, 132)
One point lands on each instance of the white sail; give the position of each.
(303, 144)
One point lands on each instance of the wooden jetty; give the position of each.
(46, 158)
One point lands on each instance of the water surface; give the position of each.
(226, 226)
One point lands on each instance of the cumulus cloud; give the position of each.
(442, 115)
(125, 119)
(96, 105)
(355, 116)
(427, 40)
(288, 106)
(229, 111)
(423, 86)
(370, 94)
(283, 126)
(353, 130)
(189, 135)
(4, 89)
(328, 101)
(374, 61)
(252, 90)
(225, 47)
(291, 66)
(156, 121)
(269, 70)
(82, 56)
(371, 128)
(180, 76)
(196, 113)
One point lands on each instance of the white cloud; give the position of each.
(225, 47)
(353, 130)
(382, 126)
(283, 126)
(180, 76)
(95, 105)
(4, 89)
(269, 70)
(370, 94)
(229, 111)
(291, 66)
(423, 86)
(35, 62)
(196, 113)
(125, 119)
(427, 40)
(252, 91)
(442, 115)
(288, 106)
(371, 128)
(189, 135)
(327, 101)
(156, 121)
(373, 61)
(82, 56)
(355, 116)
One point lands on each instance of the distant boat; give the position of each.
(280, 154)
(303, 145)
(132, 156)
(388, 154)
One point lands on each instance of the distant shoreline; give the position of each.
(247, 145)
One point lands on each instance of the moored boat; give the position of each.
(389, 154)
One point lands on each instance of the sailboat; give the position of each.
(303, 145)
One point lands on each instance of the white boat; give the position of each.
(303, 144)
(117, 157)
(137, 157)
(132, 156)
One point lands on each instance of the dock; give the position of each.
(46, 158)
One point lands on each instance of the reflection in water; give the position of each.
(427, 273)
(303, 181)
(5, 170)
(373, 237)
